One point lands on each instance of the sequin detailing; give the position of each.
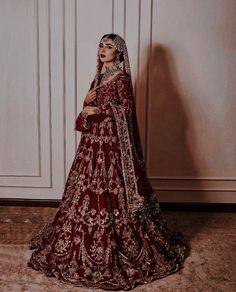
(94, 240)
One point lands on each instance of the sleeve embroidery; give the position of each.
(105, 110)
(82, 124)
(91, 86)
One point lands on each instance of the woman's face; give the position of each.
(107, 51)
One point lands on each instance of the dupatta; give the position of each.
(141, 198)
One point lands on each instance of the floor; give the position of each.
(211, 265)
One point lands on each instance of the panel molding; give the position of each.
(36, 5)
(50, 36)
(44, 178)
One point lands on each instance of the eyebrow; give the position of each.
(107, 44)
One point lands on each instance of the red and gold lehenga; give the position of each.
(109, 231)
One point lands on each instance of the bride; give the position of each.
(109, 231)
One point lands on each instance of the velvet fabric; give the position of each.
(109, 231)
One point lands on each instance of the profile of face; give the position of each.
(107, 51)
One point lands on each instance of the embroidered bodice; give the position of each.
(117, 91)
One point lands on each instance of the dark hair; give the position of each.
(112, 36)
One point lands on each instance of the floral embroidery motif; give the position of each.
(130, 178)
(94, 239)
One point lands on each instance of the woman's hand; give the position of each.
(91, 95)
(91, 110)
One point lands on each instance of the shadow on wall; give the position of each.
(169, 128)
(168, 124)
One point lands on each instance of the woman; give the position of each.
(109, 231)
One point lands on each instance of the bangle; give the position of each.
(84, 114)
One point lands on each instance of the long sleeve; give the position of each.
(82, 122)
(105, 110)
(91, 86)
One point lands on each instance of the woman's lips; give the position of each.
(102, 56)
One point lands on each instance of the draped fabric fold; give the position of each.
(130, 151)
(134, 199)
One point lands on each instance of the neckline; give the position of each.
(112, 79)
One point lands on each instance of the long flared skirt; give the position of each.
(93, 241)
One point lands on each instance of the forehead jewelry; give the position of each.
(118, 42)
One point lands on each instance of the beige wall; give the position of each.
(191, 105)
(183, 61)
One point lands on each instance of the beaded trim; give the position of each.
(138, 205)
(134, 199)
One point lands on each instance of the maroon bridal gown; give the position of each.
(95, 240)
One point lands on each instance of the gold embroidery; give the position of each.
(94, 240)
